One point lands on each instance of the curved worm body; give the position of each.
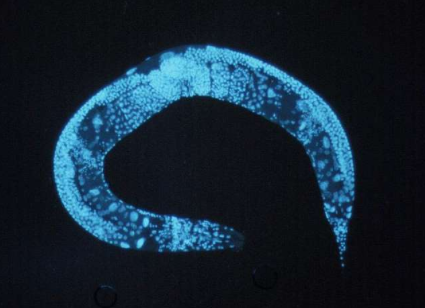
(223, 74)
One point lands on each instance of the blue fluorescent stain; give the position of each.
(124, 245)
(230, 76)
(131, 71)
(140, 243)
(145, 222)
(134, 216)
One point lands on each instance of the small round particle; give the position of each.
(105, 297)
(265, 277)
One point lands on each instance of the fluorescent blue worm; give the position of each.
(222, 74)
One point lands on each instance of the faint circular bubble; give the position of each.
(265, 277)
(105, 296)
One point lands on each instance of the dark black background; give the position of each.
(206, 159)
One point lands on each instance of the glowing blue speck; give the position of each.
(124, 245)
(140, 243)
(271, 93)
(134, 216)
(326, 143)
(113, 207)
(131, 71)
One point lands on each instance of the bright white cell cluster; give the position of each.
(223, 74)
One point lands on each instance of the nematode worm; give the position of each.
(223, 74)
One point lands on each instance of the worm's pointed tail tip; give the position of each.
(237, 240)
